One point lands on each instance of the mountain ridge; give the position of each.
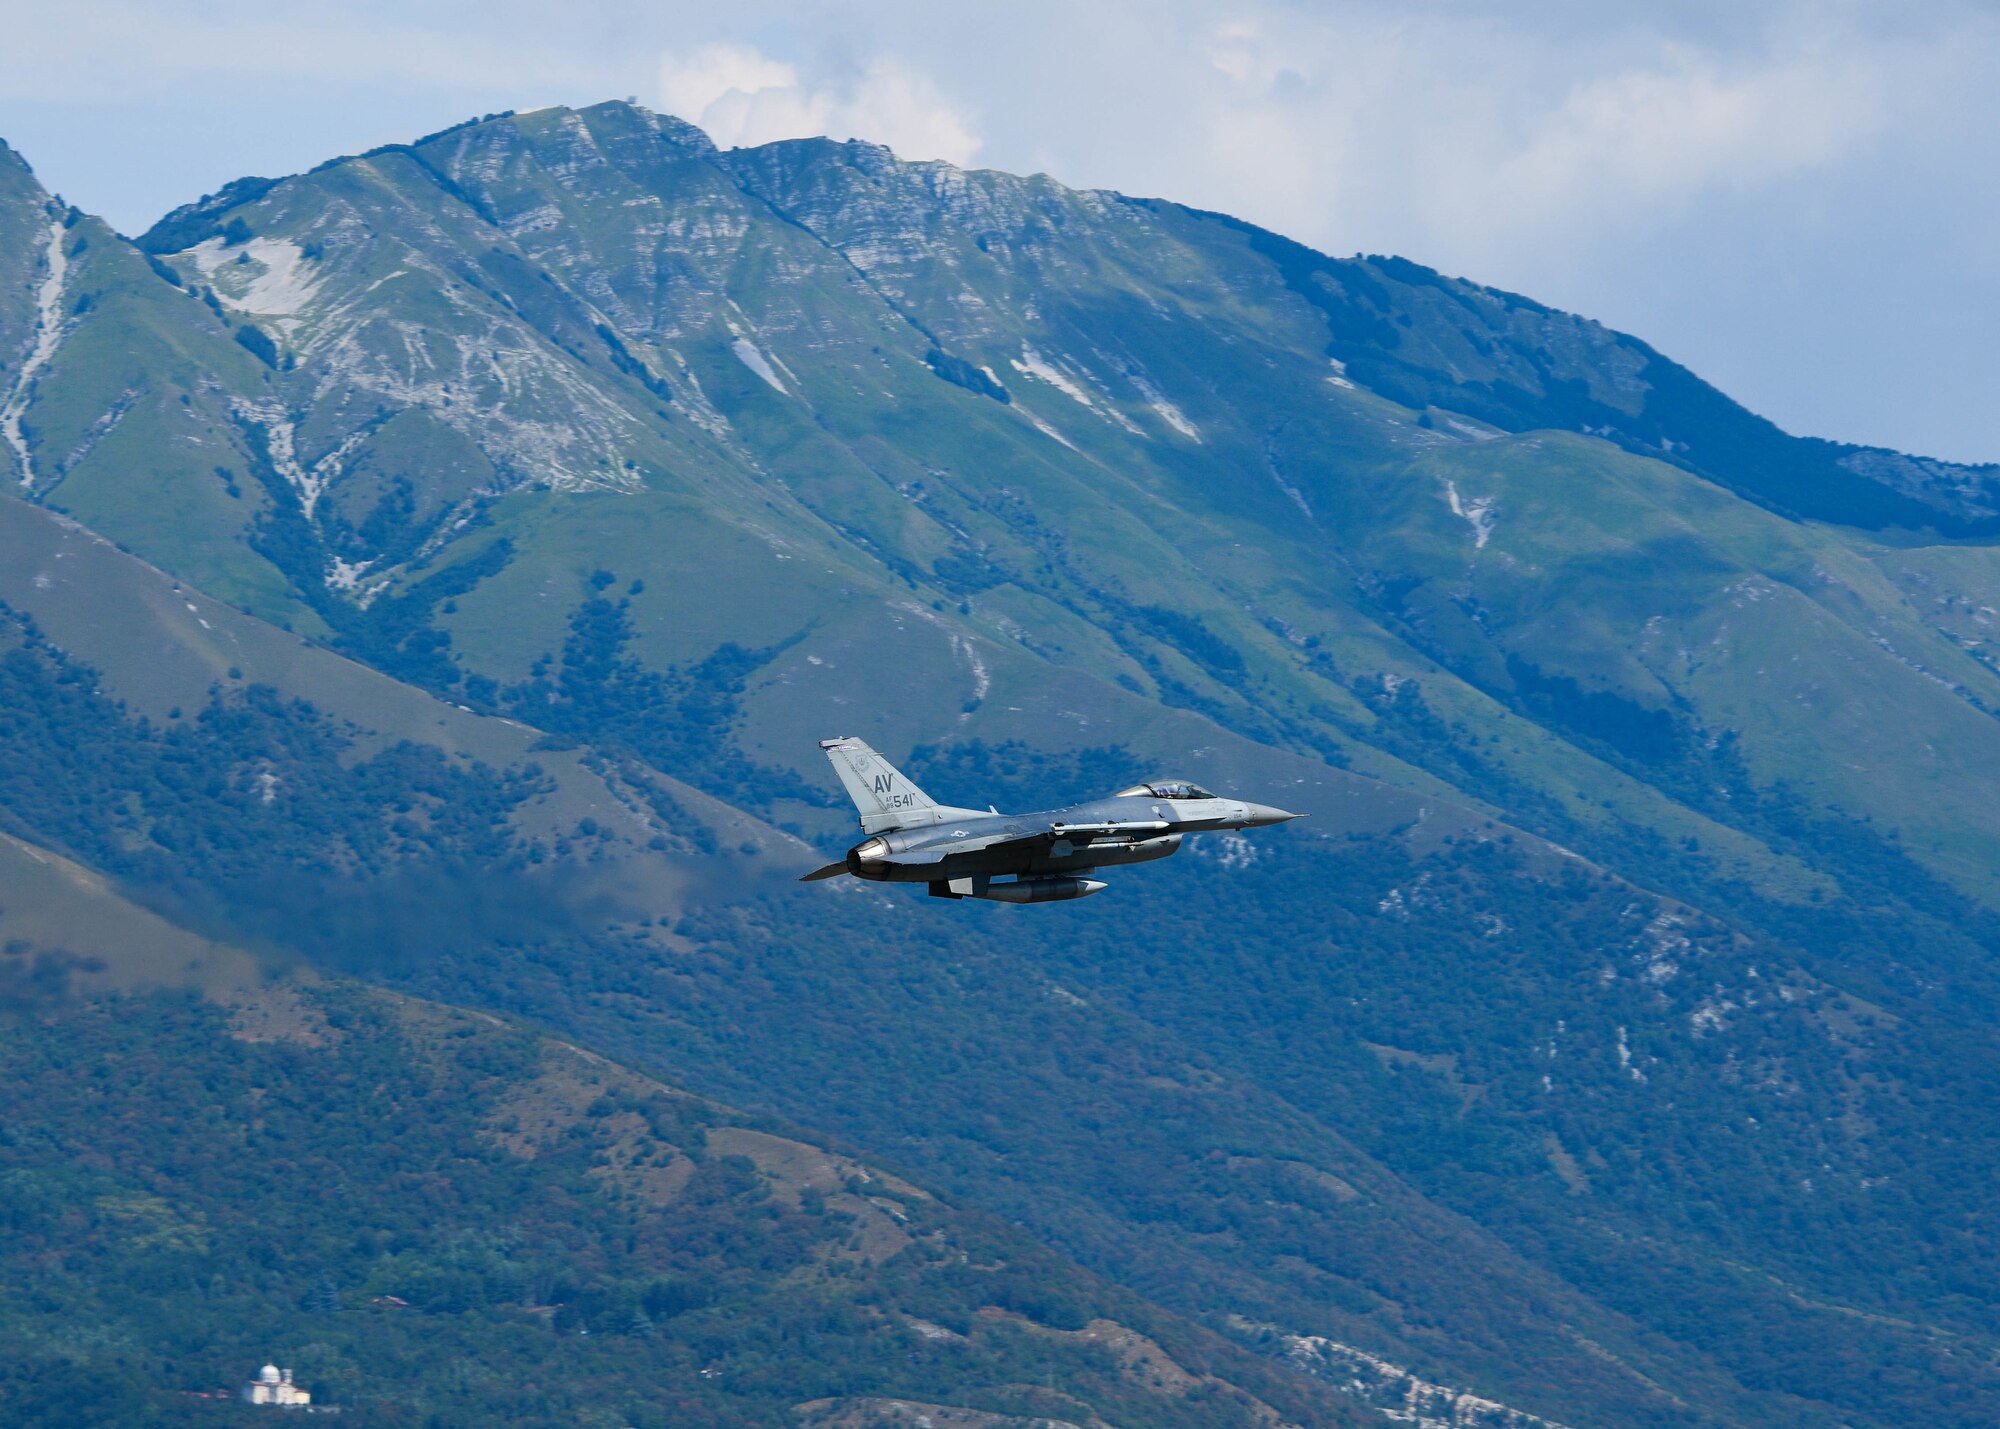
(1634, 978)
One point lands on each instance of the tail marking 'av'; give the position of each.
(882, 793)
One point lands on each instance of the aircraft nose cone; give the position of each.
(1264, 815)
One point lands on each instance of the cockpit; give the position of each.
(1164, 789)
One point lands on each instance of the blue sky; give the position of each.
(1799, 201)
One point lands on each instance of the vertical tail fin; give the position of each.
(885, 798)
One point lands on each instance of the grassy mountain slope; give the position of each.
(22, 204)
(1345, 1154)
(69, 931)
(564, 422)
(127, 391)
(790, 348)
(1738, 1117)
(435, 1217)
(1426, 340)
(1398, 516)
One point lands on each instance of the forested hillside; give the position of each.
(440, 565)
(436, 1218)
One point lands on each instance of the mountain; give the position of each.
(439, 1217)
(504, 515)
(731, 359)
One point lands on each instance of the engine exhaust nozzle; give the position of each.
(869, 859)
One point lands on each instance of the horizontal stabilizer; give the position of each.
(828, 872)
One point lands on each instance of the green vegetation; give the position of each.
(1508, 360)
(438, 1220)
(1616, 1040)
(253, 809)
(1354, 1042)
(682, 719)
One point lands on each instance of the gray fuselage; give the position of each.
(1125, 828)
(1044, 857)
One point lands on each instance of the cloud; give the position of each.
(1619, 147)
(1452, 134)
(1725, 179)
(742, 96)
(691, 85)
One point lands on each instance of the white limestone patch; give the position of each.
(1044, 428)
(1231, 850)
(1625, 1057)
(345, 575)
(1661, 949)
(1477, 512)
(533, 415)
(982, 678)
(925, 1330)
(278, 282)
(963, 647)
(700, 410)
(748, 353)
(1298, 497)
(1400, 903)
(48, 337)
(1338, 377)
(1172, 415)
(543, 218)
(1032, 364)
(1398, 1394)
(281, 441)
(1711, 1016)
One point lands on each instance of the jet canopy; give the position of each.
(1164, 789)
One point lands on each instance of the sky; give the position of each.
(1799, 201)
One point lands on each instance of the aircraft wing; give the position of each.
(1052, 833)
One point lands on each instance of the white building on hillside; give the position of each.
(274, 1386)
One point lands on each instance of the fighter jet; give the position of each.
(1017, 858)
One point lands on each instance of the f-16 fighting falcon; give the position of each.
(1017, 858)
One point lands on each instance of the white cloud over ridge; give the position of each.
(743, 97)
(1742, 185)
(1669, 129)
(1453, 137)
